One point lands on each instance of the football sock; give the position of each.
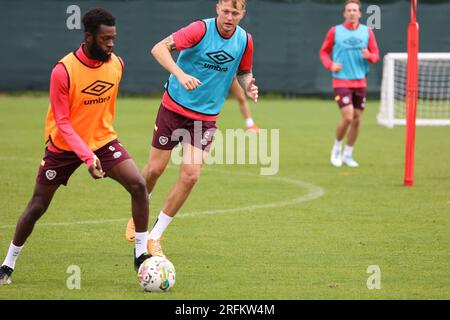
(337, 144)
(11, 257)
(348, 151)
(249, 122)
(140, 243)
(160, 225)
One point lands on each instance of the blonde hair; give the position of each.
(235, 2)
(352, 1)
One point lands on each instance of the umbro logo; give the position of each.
(353, 41)
(98, 88)
(220, 57)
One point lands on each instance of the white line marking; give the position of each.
(25, 159)
(314, 192)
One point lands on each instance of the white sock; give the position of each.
(338, 144)
(249, 122)
(140, 243)
(11, 257)
(160, 225)
(348, 151)
(149, 195)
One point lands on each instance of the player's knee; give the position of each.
(36, 209)
(356, 121)
(154, 172)
(348, 118)
(138, 188)
(190, 178)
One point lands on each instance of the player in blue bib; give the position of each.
(347, 51)
(213, 52)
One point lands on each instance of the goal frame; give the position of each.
(386, 115)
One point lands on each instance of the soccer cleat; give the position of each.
(336, 157)
(253, 128)
(154, 247)
(348, 161)
(5, 275)
(138, 261)
(130, 231)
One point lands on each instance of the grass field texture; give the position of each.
(310, 232)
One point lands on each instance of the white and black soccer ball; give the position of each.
(156, 274)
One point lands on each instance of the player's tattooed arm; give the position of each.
(169, 43)
(162, 52)
(247, 82)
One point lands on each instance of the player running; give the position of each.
(347, 50)
(213, 52)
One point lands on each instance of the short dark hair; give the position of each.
(96, 17)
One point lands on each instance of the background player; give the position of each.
(239, 95)
(347, 50)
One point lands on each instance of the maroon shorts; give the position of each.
(172, 128)
(56, 168)
(354, 96)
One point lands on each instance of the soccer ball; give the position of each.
(156, 274)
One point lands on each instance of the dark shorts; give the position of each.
(172, 128)
(56, 168)
(354, 96)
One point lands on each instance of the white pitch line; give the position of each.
(15, 159)
(314, 192)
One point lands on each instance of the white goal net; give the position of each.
(433, 106)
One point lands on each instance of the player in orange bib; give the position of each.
(79, 129)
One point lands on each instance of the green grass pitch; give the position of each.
(241, 235)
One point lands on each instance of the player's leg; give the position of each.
(239, 94)
(343, 98)
(159, 156)
(352, 135)
(37, 206)
(194, 153)
(55, 169)
(128, 175)
(157, 163)
(359, 99)
(189, 174)
(40, 200)
(353, 131)
(118, 165)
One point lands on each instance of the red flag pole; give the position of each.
(411, 94)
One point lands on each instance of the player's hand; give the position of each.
(252, 90)
(96, 170)
(336, 67)
(365, 53)
(189, 82)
